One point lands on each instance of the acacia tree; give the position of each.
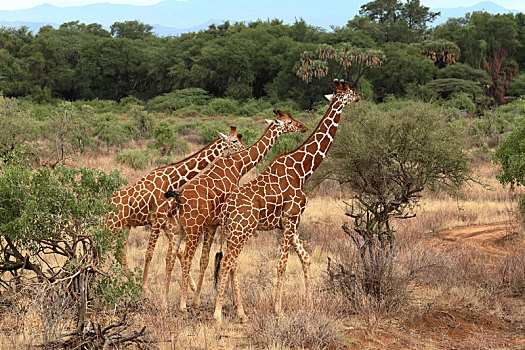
(55, 249)
(386, 159)
(393, 20)
(342, 61)
(510, 154)
(441, 51)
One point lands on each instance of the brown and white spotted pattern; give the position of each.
(202, 197)
(275, 199)
(144, 203)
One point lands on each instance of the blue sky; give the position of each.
(22, 4)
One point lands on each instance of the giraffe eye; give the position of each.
(290, 122)
(234, 141)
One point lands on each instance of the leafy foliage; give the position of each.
(448, 87)
(511, 155)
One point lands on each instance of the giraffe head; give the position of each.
(231, 142)
(344, 93)
(286, 122)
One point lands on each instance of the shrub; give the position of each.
(517, 86)
(173, 101)
(52, 224)
(209, 130)
(17, 129)
(143, 120)
(386, 159)
(114, 132)
(136, 159)
(511, 156)
(166, 139)
(460, 100)
(223, 106)
(465, 72)
(448, 87)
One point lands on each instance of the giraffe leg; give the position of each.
(237, 292)
(192, 284)
(153, 237)
(226, 265)
(209, 232)
(305, 261)
(192, 240)
(171, 256)
(229, 263)
(281, 269)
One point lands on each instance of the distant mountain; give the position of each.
(192, 13)
(486, 6)
(33, 26)
(171, 31)
(171, 17)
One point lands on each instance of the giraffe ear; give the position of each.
(329, 97)
(269, 121)
(222, 136)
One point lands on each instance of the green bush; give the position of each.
(136, 159)
(166, 139)
(18, 129)
(447, 87)
(58, 216)
(223, 106)
(176, 100)
(517, 86)
(465, 72)
(254, 107)
(511, 156)
(143, 120)
(113, 131)
(460, 100)
(496, 122)
(209, 130)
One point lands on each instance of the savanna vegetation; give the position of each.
(437, 142)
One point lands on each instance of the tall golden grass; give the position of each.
(453, 276)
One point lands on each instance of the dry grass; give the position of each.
(461, 286)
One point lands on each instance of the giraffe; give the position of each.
(200, 199)
(144, 203)
(275, 199)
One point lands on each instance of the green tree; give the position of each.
(465, 72)
(510, 155)
(488, 42)
(393, 20)
(345, 61)
(52, 224)
(386, 158)
(442, 52)
(404, 67)
(131, 30)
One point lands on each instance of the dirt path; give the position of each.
(487, 237)
(480, 233)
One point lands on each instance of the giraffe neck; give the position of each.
(247, 159)
(311, 153)
(185, 169)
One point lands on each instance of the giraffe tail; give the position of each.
(175, 194)
(219, 255)
(218, 258)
